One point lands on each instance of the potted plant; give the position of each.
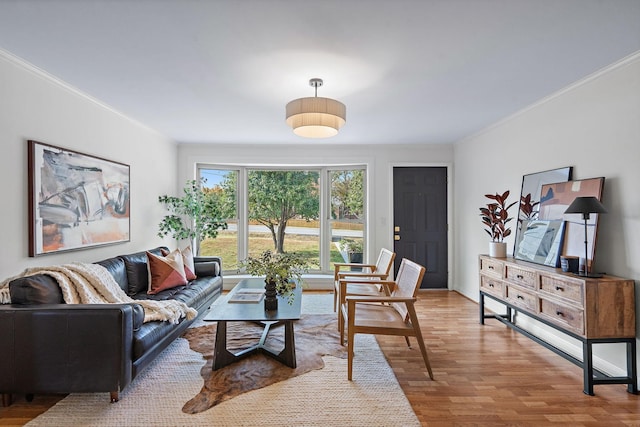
(354, 250)
(194, 216)
(281, 272)
(495, 216)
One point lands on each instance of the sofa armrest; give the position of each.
(208, 266)
(60, 348)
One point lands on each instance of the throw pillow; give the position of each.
(187, 260)
(189, 265)
(165, 272)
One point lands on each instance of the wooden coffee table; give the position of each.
(224, 311)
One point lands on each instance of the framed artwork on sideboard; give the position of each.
(531, 190)
(540, 242)
(76, 200)
(556, 198)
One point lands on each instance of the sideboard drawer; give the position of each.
(492, 286)
(520, 276)
(562, 315)
(562, 288)
(491, 267)
(521, 298)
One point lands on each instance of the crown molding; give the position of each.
(40, 73)
(627, 60)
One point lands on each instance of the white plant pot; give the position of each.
(498, 249)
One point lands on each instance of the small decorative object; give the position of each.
(194, 216)
(570, 264)
(281, 271)
(76, 200)
(586, 206)
(495, 216)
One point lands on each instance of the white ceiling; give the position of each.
(409, 71)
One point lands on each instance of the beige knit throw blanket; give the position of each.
(93, 284)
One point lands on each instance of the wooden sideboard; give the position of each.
(592, 310)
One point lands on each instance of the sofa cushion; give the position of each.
(137, 272)
(207, 268)
(36, 289)
(165, 272)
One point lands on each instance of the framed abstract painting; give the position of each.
(76, 200)
(556, 198)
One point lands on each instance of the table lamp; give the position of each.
(586, 206)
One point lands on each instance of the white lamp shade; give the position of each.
(316, 117)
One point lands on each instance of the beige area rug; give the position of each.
(322, 397)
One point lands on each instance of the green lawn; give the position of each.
(225, 246)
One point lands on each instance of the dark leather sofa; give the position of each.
(48, 346)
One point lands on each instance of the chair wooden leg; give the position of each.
(341, 321)
(351, 336)
(408, 342)
(416, 328)
(335, 298)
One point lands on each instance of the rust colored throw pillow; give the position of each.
(165, 272)
(189, 265)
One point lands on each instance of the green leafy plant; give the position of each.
(195, 215)
(352, 246)
(285, 269)
(495, 216)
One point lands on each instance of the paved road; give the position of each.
(309, 231)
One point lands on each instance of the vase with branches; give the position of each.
(282, 270)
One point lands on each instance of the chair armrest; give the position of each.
(356, 274)
(338, 265)
(352, 264)
(366, 280)
(354, 299)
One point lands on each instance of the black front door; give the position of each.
(420, 221)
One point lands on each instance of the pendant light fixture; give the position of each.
(316, 117)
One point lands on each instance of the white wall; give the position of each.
(36, 106)
(593, 126)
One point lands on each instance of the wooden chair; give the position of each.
(387, 315)
(355, 285)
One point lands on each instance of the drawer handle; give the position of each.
(520, 276)
(491, 267)
(559, 313)
(520, 297)
(559, 288)
(491, 285)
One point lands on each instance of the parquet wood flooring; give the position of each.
(485, 376)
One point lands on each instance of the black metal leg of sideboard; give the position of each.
(632, 371)
(587, 367)
(481, 303)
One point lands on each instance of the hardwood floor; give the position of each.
(485, 376)
(492, 376)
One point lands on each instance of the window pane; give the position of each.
(347, 216)
(283, 212)
(224, 184)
